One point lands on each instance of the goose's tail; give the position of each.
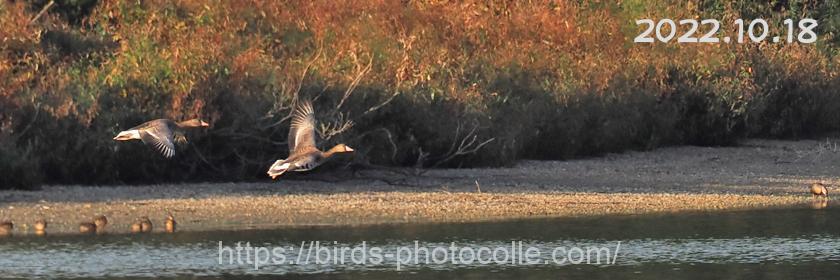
(278, 168)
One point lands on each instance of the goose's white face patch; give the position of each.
(128, 135)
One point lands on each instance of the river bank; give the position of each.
(758, 174)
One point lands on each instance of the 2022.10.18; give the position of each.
(757, 30)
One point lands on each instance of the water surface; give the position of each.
(767, 244)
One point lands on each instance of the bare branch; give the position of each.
(393, 144)
(34, 118)
(399, 75)
(42, 12)
(202, 158)
(380, 105)
(421, 158)
(330, 129)
(355, 83)
(468, 144)
(388, 134)
(295, 94)
(228, 132)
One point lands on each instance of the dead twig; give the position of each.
(42, 12)
(34, 118)
(237, 135)
(398, 76)
(386, 102)
(295, 94)
(467, 145)
(203, 159)
(421, 159)
(355, 83)
(387, 134)
(328, 130)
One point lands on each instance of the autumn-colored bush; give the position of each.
(423, 83)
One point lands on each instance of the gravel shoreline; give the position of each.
(758, 174)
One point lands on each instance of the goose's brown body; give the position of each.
(87, 227)
(145, 224)
(818, 189)
(100, 222)
(40, 225)
(170, 223)
(6, 227)
(161, 134)
(304, 155)
(137, 227)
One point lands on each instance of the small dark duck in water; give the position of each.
(100, 222)
(170, 223)
(40, 227)
(87, 227)
(6, 227)
(818, 189)
(145, 224)
(161, 134)
(303, 153)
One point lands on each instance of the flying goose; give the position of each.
(303, 153)
(161, 134)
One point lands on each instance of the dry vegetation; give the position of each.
(405, 82)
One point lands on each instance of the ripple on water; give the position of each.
(791, 240)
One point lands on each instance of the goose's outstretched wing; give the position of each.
(159, 136)
(302, 130)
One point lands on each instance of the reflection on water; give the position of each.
(819, 203)
(774, 244)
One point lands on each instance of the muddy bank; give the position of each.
(758, 174)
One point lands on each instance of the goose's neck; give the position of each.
(184, 124)
(331, 151)
(189, 123)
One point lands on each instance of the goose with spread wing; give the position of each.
(161, 134)
(304, 155)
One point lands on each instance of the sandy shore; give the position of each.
(760, 173)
